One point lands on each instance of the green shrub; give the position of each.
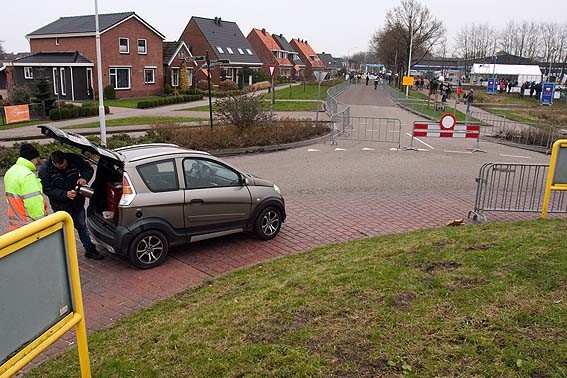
(109, 92)
(228, 85)
(167, 90)
(203, 85)
(242, 111)
(20, 95)
(55, 114)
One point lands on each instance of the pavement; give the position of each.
(334, 193)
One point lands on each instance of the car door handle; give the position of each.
(197, 200)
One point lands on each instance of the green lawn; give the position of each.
(19, 124)
(472, 301)
(135, 121)
(279, 106)
(299, 92)
(128, 102)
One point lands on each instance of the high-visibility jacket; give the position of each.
(23, 194)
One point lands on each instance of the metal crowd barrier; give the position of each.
(387, 130)
(333, 106)
(510, 187)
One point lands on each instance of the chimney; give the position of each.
(216, 20)
(219, 21)
(281, 35)
(263, 31)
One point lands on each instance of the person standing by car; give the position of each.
(23, 189)
(60, 175)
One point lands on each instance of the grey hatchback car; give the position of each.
(150, 197)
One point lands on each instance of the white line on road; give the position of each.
(420, 141)
(367, 149)
(340, 149)
(312, 150)
(516, 156)
(459, 152)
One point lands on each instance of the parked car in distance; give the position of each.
(148, 198)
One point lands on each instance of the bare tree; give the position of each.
(2, 51)
(409, 21)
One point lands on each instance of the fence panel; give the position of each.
(514, 187)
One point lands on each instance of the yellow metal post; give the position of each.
(561, 143)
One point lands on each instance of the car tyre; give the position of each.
(268, 223)
(148, 249)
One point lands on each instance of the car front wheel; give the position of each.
(268, 223)
(148, 250)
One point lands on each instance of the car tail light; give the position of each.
(128, 192)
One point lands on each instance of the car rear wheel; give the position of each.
(268, 223)
(148, 250)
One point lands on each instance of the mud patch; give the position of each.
(404, 300)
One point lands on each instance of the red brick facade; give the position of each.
(308, 56)
(193, 37)
(132, 29)
(264, 46)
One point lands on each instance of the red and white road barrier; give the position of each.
(447, 127)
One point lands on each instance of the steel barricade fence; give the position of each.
(370, 129)
(510, 187)
(539, 136)
(332, 105)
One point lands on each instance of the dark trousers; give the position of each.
(78, 216)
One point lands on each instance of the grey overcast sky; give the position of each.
(341, 28)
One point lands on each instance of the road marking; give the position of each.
(340, 149)
(423, 149)
(367, 149)
(395, 149)
(420, 141)
(458, 152)
(516, 156)
(312, 150)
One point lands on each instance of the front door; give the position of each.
(215, 199)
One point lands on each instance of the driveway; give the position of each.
(334, 193)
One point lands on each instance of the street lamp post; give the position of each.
(551, 57)
(101, 114)
(209, 85)
(409, 55)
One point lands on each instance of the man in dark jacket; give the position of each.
(60, 175)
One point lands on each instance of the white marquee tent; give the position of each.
(522, 72)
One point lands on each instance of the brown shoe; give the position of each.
(94, 254)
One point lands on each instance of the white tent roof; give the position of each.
(505, 69)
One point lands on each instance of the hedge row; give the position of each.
(167, 101)
(69, 112)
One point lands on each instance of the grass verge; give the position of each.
(20, 124)
(135, 121)
(279, 106)
(128, 102)
(473, 301)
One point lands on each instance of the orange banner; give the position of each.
(17, 113)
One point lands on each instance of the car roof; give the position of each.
(145, 151)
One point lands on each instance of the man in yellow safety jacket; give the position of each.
(23, 189)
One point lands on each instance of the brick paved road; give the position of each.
(331, 196)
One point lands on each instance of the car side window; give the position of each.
(201, 173)
(159, 176)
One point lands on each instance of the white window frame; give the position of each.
(127, 45)
(145, 52)
(55, 81)
(182, 55)
(175, 74)
(153, 71)
(241, 51)
(110, 74)
(63, 82)
(190, 76)
(28, 73)
(56, 41)
(249, 52)
(220, 50)
(229, 50)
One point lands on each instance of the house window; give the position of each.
(142, 49)
(181, 55)
(120, 78)
(219, 49)
(28, 73)
(149, 75)
(190, 76)
(90, 82)
(241, 51)
(55, 81)
(227, 73)
(63, 82)
(249, 52)
(229, 50)
(124, 46)
(56, 41)
(175, 77)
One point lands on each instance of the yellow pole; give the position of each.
(550, 173)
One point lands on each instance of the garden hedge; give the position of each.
(168, 101)
(72, 111)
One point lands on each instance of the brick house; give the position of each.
(223, 40)
(298, 70)
(332, 65)
(270, 53)
(308, 56)
(175, 56)
(132, 51)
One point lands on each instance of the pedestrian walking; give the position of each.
(459, 92)
(470, 99)
(376, 83)
(60, 175)
(24, 190)
(367, 79)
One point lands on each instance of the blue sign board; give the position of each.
(547, 91)
(492, 85)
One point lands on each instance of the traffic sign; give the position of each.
(320, 75)
(448, 121)
(272, 70)
(407, 80)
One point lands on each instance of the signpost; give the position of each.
(320, 76)
(273, 100)
(407, 81)
(40, 292)
(17, 113)
(547, 91)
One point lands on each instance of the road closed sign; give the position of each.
(17, 113)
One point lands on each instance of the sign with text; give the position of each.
(407, 80)
(492, 86)
(17, 113)
(547, 90)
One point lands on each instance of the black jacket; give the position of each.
(57, 182)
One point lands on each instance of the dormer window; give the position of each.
(229, 50)
(241, 51)
(220, 50)
(124, 46)
(249, 52)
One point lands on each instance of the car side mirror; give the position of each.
(244, 181)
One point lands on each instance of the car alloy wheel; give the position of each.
(268, 223)
(149, 249)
